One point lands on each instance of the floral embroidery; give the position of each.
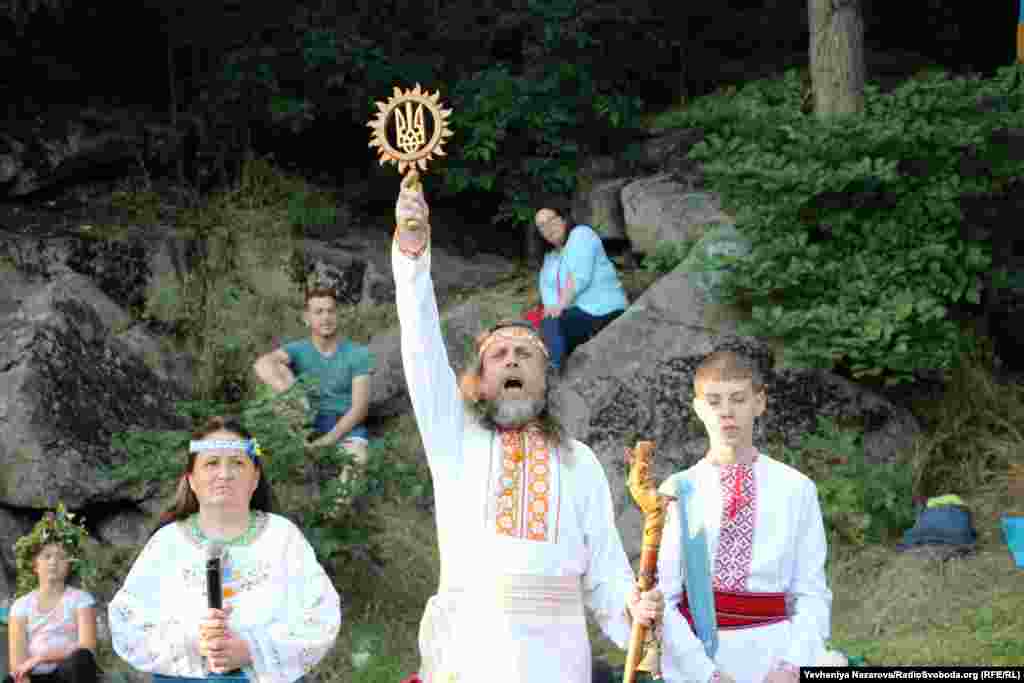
(235, 579)
(538, 488)
(525, 455)
(257, 524)
(736, 539)
(507, 518)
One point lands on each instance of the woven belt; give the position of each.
(734, 609)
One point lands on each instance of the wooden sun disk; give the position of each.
(418, 157)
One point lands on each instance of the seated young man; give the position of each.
(765, 539)
(340, 397)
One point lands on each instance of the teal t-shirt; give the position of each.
(334, 373)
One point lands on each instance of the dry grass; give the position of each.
(383, 610)
(974, 432)
(896, 608)
(902, 609)
(383, 601)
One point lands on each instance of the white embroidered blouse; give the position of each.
(283, 603)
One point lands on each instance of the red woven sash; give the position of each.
(742, 610)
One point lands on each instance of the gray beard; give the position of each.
(511, 413)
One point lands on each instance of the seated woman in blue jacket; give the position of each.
(578, 285)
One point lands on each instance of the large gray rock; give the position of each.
(659, 209)
(600, 207)
(25, 261)
(66, 144)
(389, 393)
(14, 287)
(12, 527)
(128, 527)
(67, 384)
(6, 593)
(634, 381)
(358, 267)
(140, 266)
(664, 150)
(4, 669)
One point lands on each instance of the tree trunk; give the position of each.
(837, 56)
(681, 59)
(172, 85)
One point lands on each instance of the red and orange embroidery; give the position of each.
(524, 453)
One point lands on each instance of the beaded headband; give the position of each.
(249, 446)
(513, 331)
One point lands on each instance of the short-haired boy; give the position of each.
(765, 540)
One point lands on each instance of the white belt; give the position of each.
(539, 598)
(525, 599)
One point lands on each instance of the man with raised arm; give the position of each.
(524, 513)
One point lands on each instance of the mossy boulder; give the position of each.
(67, 384)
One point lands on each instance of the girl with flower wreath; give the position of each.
(52, 629)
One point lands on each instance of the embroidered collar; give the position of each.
(739, 471)
(527, 428)
(738, 463)
(257, 523)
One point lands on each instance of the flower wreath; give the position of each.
(60, 527)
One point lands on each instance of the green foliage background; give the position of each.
(242, 296)
(520, 125)
(859, 253)
(861, 502)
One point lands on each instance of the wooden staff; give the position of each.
(652, 504)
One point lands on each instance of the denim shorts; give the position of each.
(235, 677)
(324, 422)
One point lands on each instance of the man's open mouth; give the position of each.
(513, 383)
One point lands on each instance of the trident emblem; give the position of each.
(415, 150)
(412, 134)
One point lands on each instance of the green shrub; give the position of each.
(279, 424)
(858, 253)
(521, 133)
(861, 502)
(242, 289)
(308, 209)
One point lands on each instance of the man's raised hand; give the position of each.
(412, 229)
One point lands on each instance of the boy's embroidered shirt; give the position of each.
(765, 534)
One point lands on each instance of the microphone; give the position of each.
(214, 596)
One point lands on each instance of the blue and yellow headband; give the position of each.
(249, 446)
